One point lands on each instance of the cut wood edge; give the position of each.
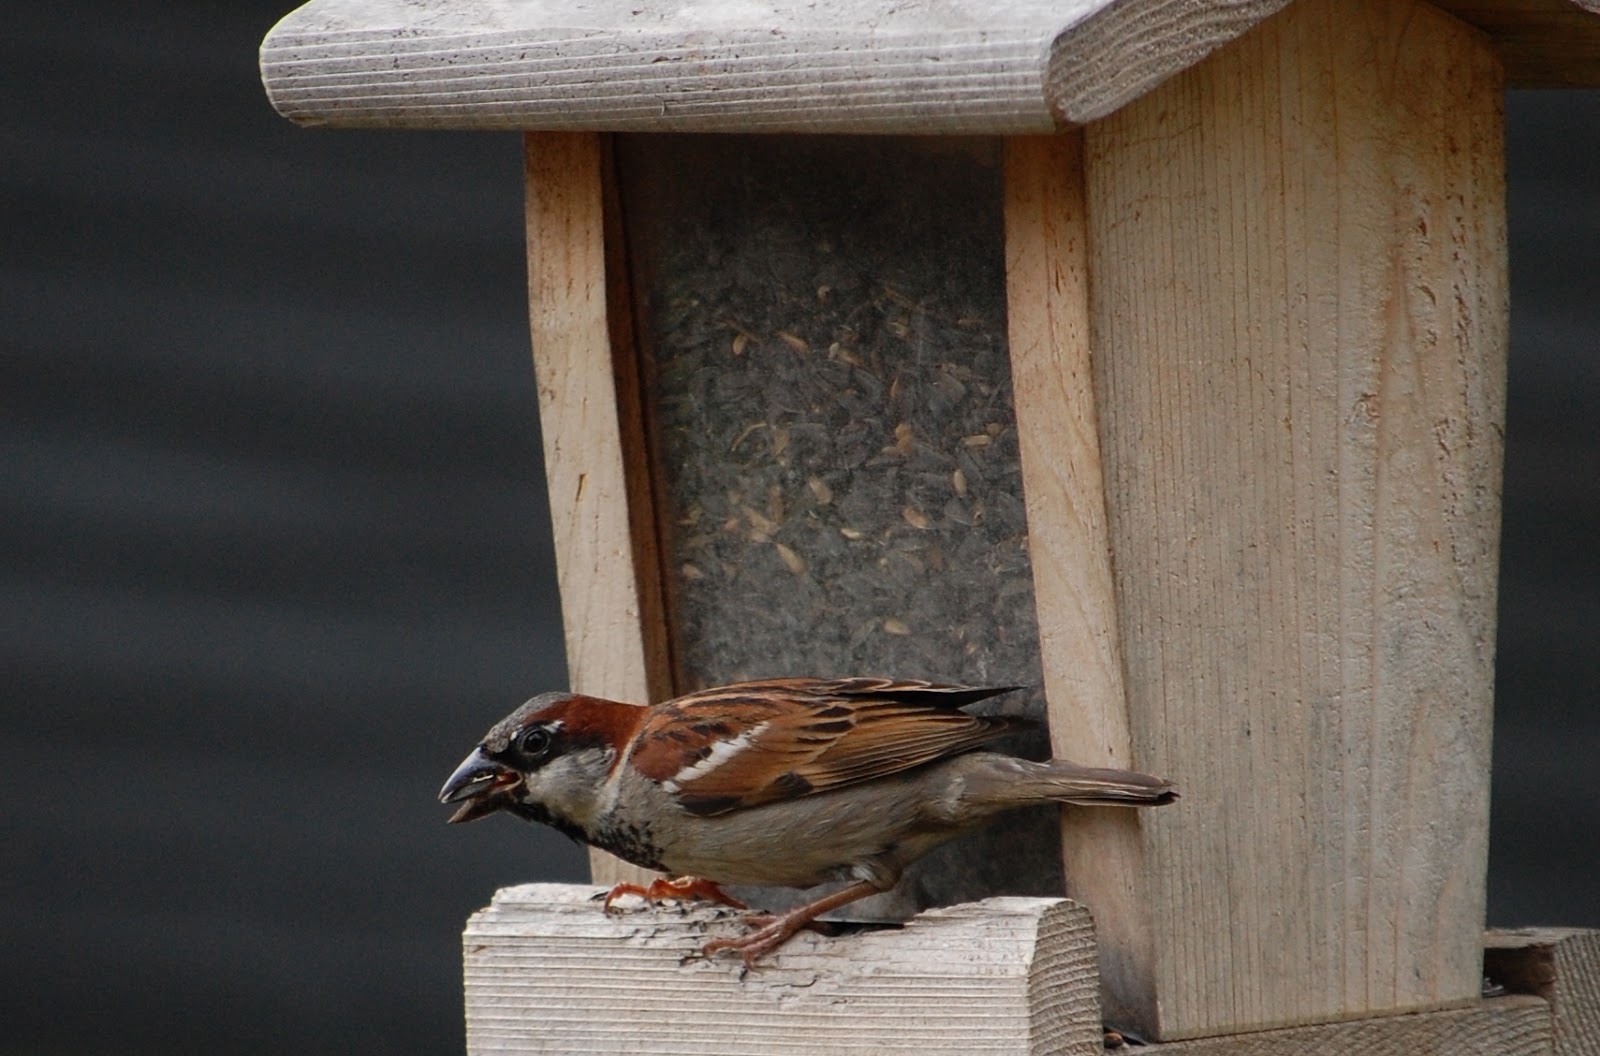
(1543, 43)
(1561, 965)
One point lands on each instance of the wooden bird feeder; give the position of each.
(1150, 353)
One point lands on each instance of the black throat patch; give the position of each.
(632, 843)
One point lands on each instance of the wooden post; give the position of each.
(1047, 291)
(1298, 321)
(590, 417)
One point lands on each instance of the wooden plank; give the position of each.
(1543, 43)
(1299, 323)
(1047, 290)
(548, 972)
(1561, 965)
(604, 561)
(1502, 1026)
(959, 66)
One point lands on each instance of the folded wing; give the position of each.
(742, 745)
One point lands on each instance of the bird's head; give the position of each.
(546, 761)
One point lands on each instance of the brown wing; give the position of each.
(755, 742)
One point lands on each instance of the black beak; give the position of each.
(483, 783)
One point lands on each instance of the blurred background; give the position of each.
(274, 546)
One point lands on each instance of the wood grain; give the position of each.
(959, 66)
(609, 591)
(548, 972)
(1047, 289)
(1561, 965)
(1299, 328)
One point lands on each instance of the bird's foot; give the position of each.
(677, 889)
(773, 931)
(754, 945)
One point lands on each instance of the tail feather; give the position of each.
(1010, 782)
(1088, 786)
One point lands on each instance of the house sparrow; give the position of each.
(787, 782)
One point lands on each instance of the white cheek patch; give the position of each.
(720, 753)
(567, 784)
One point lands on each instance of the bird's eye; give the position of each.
(534, 741)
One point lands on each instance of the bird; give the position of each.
(781, 782)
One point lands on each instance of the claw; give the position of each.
(623, 889)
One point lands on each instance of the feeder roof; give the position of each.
(886, 66)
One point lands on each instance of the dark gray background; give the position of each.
(274, 548)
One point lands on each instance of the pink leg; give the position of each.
(777, 930)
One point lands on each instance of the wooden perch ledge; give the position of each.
(885, 66)
(548, 972)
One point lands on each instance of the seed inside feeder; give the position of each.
(883, 472)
